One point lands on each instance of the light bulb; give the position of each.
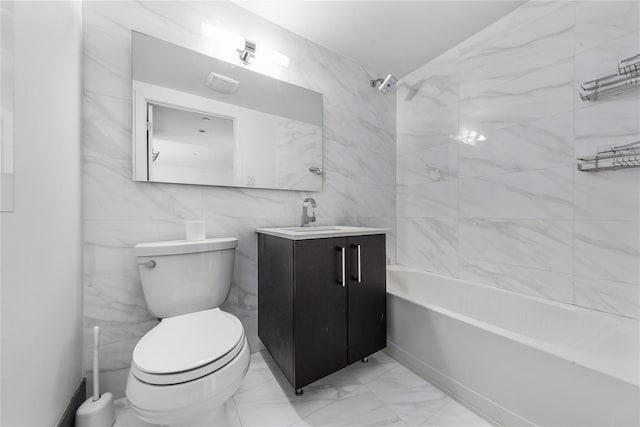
(225, 37)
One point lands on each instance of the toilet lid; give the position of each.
(187, 342)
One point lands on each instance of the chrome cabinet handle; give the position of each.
(359, 266)
(148, 264)
(344, 266)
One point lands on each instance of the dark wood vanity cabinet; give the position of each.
(321, 302)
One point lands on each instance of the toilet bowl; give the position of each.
(186, 368)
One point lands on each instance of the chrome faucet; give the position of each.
(306, 219)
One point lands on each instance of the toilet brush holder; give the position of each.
(98, 410)
(96, 413)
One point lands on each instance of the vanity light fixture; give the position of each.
(248, 50)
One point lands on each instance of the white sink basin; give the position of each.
(321, 231)
(312, 229)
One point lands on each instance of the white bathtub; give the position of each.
(520, 360)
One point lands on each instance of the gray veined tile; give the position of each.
(540, 144)
(107, 51)
(408, 395)
(428, 244)
(429, 261)
(245, 287)
(430, 200)
(107, 126)
(111, 194)
(528, 49)
(541, 194)
(521, 17)
(240, 203)
(333, 387)
(539, 94)
(438, 80)
(374, 201)
(541, 244)
(360, 408)
(425, 116)
(378, 364)
(274, 403)
(529, 281)
(439, 163)
(608, 250)
(598, 22)
(116, 298)
(608, 296)
(607, 196)
(342, 127)
(410, 140)
(340, 161)
(374, 169)
(118, 340)
(380, 138)
(262, 368)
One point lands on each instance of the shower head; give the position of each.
(385, 85)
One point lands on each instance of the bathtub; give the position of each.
(518, 360)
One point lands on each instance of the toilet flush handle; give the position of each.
(148, 264)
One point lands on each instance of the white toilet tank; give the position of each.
(180, 277)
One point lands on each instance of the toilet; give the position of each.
(186, 368)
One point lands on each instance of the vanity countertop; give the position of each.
(320, 232)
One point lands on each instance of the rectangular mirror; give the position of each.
(6, 107)
(200, 120)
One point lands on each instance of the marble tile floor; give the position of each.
(378, 393)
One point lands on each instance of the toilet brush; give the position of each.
(96, 411)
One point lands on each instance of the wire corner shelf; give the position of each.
(619, 157)
(627, 78)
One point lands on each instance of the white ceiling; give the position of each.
(385, 36)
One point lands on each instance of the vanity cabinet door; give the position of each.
(367, 296)
(320, 308)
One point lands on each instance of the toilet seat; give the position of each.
(187, 347)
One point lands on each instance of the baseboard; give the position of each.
(487, 409)
(68, 418)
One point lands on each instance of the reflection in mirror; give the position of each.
(188, 146)
(200, 120)
(7, 106)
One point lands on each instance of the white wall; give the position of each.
(40, 275)
(508, 208)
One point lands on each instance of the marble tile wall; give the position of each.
(359, 152)
(487, 136)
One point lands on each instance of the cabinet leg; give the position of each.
(299, 392)
(365, 359)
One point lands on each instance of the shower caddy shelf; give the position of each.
(625, 79)
(618, 157)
